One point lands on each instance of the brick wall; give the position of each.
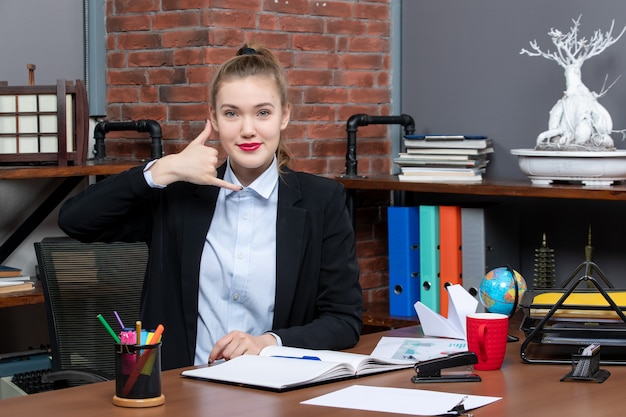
(161, 55)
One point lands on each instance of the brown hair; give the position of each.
(249, 61)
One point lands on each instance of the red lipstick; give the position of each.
(249, 147)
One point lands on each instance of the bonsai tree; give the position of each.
(577, 121)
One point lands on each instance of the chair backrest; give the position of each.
(80, 281)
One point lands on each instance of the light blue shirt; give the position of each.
(238, 264)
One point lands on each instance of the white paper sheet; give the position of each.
(399, 400)
(461, 303)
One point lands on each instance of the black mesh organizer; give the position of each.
(556, 331)
(586, 367)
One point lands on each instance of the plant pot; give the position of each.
(589, 168)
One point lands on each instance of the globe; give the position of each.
(497, 290)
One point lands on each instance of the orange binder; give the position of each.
(450, 259)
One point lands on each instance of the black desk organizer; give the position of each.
(586, 368)
(559, 340)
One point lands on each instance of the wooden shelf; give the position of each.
(500, 188)
(19, 298)
(106, 167)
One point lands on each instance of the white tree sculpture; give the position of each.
(577, 121)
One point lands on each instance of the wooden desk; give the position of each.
(527, 390)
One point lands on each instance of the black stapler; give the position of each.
(430, 370)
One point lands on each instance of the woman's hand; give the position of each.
(197, 164)
(237, 343)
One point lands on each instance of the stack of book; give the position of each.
(12, 280)
(444, 158)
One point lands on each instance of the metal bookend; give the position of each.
(430, 370)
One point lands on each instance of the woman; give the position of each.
(244, 254)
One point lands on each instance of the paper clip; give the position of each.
(459, 409)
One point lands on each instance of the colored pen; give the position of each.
(156, 335)
(108, 328)
(138, 332)
(151, 340)
(310, 358)
(119, 320)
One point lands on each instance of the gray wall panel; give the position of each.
(462, 71)
(46, 33)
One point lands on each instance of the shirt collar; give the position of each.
(263, 185)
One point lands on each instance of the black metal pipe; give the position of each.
(353, 124)
(357, 120)
(151, 126)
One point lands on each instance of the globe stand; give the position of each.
(511, 338)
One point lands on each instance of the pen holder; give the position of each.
(586, 368)
(138, 376)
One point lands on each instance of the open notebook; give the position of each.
(281, 368)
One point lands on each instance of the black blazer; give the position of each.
(318, 301)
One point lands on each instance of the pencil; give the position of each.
(138, 332)
(108, 328)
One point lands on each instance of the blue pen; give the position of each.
(310, 358)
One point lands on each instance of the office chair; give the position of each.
(80, 281)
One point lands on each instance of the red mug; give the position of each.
(487, 335)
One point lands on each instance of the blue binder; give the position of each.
(404, 260)
(429, 256)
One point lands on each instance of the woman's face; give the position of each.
(248, 118)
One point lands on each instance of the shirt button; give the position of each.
(235, 296)
(245, 217)
(241, 256)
